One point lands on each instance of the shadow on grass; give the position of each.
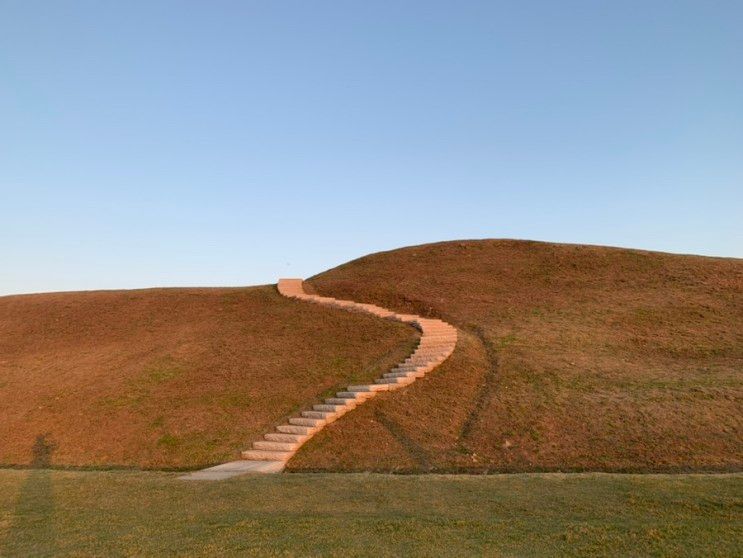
(34, 509)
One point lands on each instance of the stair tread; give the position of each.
(263, 455)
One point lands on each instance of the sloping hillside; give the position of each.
(171, 377)
(570, 358)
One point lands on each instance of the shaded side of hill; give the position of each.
(171, 377)
(571, 358)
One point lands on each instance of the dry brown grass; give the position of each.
(570, 358)
(170, 377)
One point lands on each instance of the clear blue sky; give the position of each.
(153, 143)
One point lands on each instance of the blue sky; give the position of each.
(153, 143)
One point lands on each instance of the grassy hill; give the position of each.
(570, 358)
(171, 377)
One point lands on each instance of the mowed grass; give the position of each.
(570, 358)
(171, 378)
(55, 513)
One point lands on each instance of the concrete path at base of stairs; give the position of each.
(234, 469)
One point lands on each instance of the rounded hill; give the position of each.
(570, 358)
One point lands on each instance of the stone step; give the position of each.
(423, 360)
(395, 380)
(418, 363)
(320, 415)
(409, 369)
(417, 372)
(288, 438)
(404, 375)
(341, 401)
(311, 422)
(438, 336)
(434, 350)
(393, 387)
(366, 387)
(415, 355)
(358, 396)
(425, 355)
(296, 429)
(262, 455)
(349, 395)
(326, 408)
(276, 446)
(433, 357)
(408, 366)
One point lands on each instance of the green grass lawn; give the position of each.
(61, 513)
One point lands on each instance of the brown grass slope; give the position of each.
(570, 358)
(171, 377)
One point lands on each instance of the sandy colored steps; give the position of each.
(294, 429)
(304, 421)
(281, 437)
(270, 454)
(276, 446)
(267, 455)
(413, 375)
(358, 396)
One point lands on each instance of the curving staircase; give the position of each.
(270, 455)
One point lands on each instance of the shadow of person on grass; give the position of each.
(31, 531)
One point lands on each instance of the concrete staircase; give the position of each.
(437, 342)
